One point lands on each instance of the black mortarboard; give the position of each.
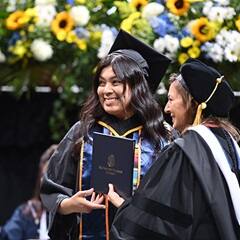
(201, 81)
(157, 63)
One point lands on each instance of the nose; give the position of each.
(166, 109)
(108, 88)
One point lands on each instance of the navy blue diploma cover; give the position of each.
(112, 162)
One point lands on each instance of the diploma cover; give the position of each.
(112, 162)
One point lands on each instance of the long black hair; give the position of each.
(142, 100)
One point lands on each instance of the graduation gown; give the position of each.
(183, 196)
(61, 179)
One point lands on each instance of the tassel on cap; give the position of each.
(203, 105)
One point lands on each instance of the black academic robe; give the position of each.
(61, 181)
(183, 196)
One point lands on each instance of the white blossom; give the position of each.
(229, 13)
(161, 89)
(80, 15)
(11, 7)
(226, 47)
(230, 55)
(46, 14)
(45, 2)
(172, 43)
(152, 10)
(223, 2)
(41, 50)
(159, 45)
(167, 45)
(220, 13)
(207, 7)
(213, 51)
(2, 57)
(106, 43)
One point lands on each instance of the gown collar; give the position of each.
(121, 127)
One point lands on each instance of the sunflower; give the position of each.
(14, 21)
(203, 30)
(178, 7)
(63, 23)
(138, 4)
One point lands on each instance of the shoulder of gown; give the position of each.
(170, 202)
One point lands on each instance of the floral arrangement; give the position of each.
(58, 43)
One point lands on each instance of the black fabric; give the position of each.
(157, 63)
(201, 80)
(160, 210)
(122, 126)
(185, 178)
(142, 233)
(24, 136)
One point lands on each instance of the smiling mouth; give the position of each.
(110, 100)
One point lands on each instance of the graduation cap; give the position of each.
(149, 59)
(208, 88)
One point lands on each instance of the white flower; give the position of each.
(152, 10)
(172, 44)
(80, 15)
(45, 13)
(167, 45)
(221, 13)
(222, 2)
(207, 7)
(213, 51)
(2, 57)
(45, 2)
(229, 13)
(41, 50)
(11, 7)
(230, 55)
(159, 45)
(106, 43)
(161, 89)
(223, 37)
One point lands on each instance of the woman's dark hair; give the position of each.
(45, 157)
(142, 101)
(34, 206)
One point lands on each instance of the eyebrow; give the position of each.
(111, 78)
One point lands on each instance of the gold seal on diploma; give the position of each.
(111, 161)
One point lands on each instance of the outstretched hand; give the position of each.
(114, 197)
(78, 203)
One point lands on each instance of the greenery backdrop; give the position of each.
(58, 43)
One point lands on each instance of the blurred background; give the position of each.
(48, 53)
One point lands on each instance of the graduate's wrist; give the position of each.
(65, 207)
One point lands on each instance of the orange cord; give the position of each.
(107, 217)
(80, 188)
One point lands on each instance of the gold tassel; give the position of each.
(198, 117)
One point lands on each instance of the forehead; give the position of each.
(174, 88)
(107, 72)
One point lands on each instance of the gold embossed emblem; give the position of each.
(111, 161)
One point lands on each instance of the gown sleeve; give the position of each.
(164, 205)
(59, 183)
